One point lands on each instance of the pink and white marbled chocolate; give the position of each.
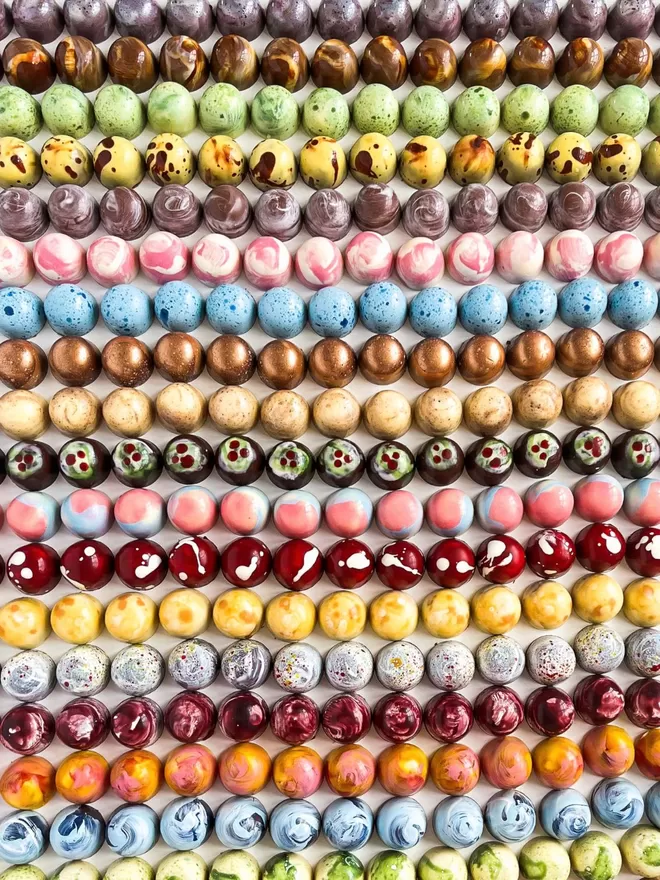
(569, 255)
(618, 257)
(519, 257)
(420, 263)
(267, 263)
(470, 258)
(111, 260)
(216, 260)
(319, 263)
(16, 264)
(164, 257)
(652, 256)
(59, 258)
(369, 258)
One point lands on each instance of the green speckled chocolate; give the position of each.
(20, 114)
(425, 111)
(476, 111)
(376, 109)
(120, 112)
(223, 110)
(326, 114)
(574, 109)
(275, 113)
(172, 108)
(66, 110)
(624, 110)
(525, 108)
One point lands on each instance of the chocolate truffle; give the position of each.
(651, 209)
(537, 454)
(230, 360)
(620, 207)
(127, 361)
(81, 63)
(132, 64)
(524, 207)
(583, 18)
(580, 64)
(332, 363)
(92, 19)
(377, 208)
(439, 18)
(182, 60)
(474, 209)
(487, 18)
(481, 359)
(586, 450)
(535, 18)
(580, 352)
(177, 209)
(73, 210)
(530, 355)
(234, 61)
(635, 454)
(340, 463)
(572, 206)
(629, 354)
(432, 363)
(23, 215)
(191, 18)
(179, 357)
(74, 361)
(382, 359)
(328, 214)
(143, 19)
(384, 61)
(124, 213)
(394, 18)
(278, 213)
(440, 461)
(426, 214)
(289, 18)
(243, 17)
(335, 66)
(23, 365)
(38, 19)
(489, 461)
(630, 18)
(281, 365)
(227, 211)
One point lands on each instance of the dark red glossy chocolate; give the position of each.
(643, 703)
(141, 564)
(295, 719)
(600, 547)
(83, 723)
(298, 564)
(28, 729)
(194, 561)
(242, 716)
(349, 564)
(400, 565)
(498, 710)
(246, 562)
(448, 717)
(450, 563)
(500, 559)
(550, 553)
(598, 699)
(643, 552)
(88, 565)
(549, 711)
(346, 718)
(34, 569)
(397, 717)
(190, 717)
(137, 723)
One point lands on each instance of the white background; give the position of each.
(429, 796)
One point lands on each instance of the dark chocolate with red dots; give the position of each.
(537, 454)
(136, 462)
(32, 466)
(586, 450)
(390, 465)
(635, 454)
(188, 459)
(340, 463)
(489, 461)
(239, 461)
(440, 461)
(84, 463)
(290, 465)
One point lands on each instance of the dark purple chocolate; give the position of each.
(426, 214)
(243, 17)
(6, 21)
(439, 18)
(572, 206)
(487, 19)
(83, 723)
(583, 18)
(474, 209)
(190, 18)
(137, 723)
(40, 20)
(340, 20)
(23, 215)
(92, 19)
(328, 214)
(73, 211)
(290, 18)
(143, 19)
(377, 208)
(651, 209)
(524, 206)
(535, 18)
(390, 18)
(227, 211)
(278, 213)
(621, 207)
(630, 18)
(177, 209)
(124, 213)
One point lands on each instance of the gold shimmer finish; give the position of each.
(179, 357)
(481, 360)
(332, 363)
(230, 360)
(530, 355)
(432, 363)
(74, 361)
(281, 365)
(127, 361)
(629, 354)
(580, 352)
(23, 365)
(382, 359)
